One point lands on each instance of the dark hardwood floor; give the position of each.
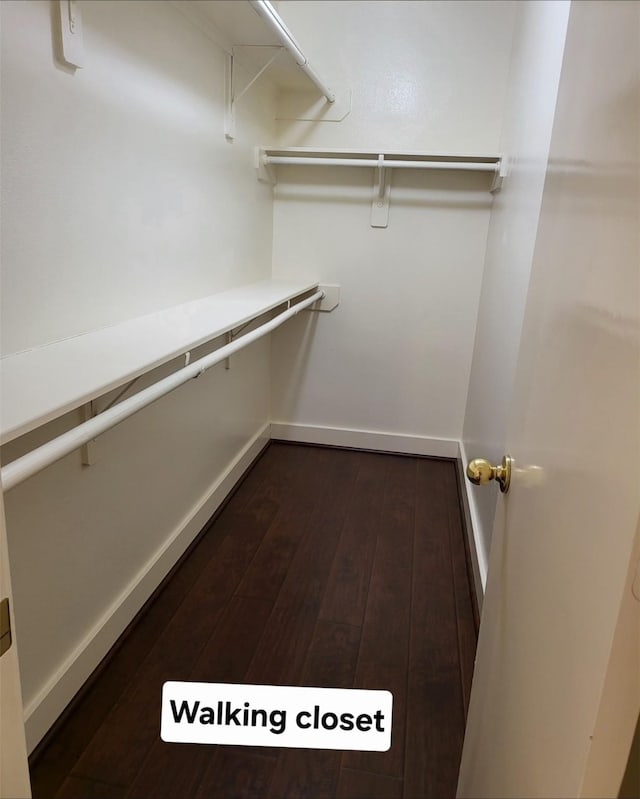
(327, 567)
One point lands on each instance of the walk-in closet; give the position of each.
(320, 369)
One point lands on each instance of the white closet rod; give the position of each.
(286, 160)
(19, 470)
(268, 13)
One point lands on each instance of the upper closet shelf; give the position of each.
(41, 384)
(254, 31)
(269, 158)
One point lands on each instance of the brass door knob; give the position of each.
(480, 472)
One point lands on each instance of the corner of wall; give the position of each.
(473, 528)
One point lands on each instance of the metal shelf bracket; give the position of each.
(231, 95)
(381, 194)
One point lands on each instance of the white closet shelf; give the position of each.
(267, 157)
(254, 32)
(253, 26)
(41, 384)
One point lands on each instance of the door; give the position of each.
(14, 773)
(556, 689)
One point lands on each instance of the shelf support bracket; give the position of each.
(228, 338)
(231, 96)
(87, 451)
(381, 194)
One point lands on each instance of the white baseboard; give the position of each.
(44, 709)
(366, 439)
(476, 549)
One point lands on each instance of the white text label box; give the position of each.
(276, 715)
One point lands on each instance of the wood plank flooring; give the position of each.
(327, 567)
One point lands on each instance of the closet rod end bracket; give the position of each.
(264, 172)
(329, 300)
(499, 175)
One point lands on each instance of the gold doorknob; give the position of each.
(480, 472)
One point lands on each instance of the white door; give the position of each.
(556, 690)
(14, 773)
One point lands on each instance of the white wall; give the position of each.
(534, 75)
(395, 356)
(121, 196)
(423, 75)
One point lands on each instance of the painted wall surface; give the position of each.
(423, 75)
(395, 356)
(534, 75)
(121, 196)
